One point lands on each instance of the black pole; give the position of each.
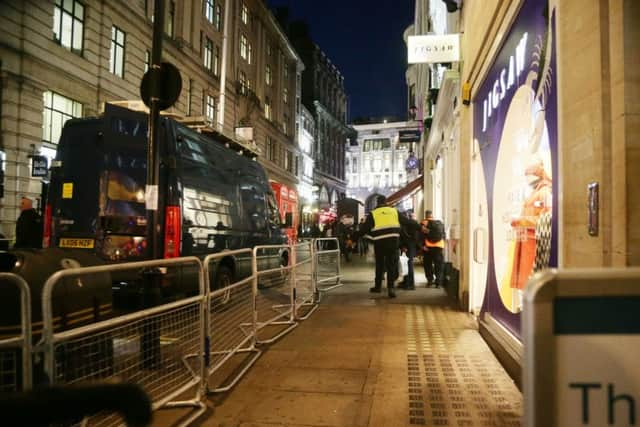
(153, 158)
(151, 277)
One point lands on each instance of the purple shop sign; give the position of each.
(516, 124)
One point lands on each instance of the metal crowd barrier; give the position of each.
(304, 286)
(230, 316)
(326, 264)
(15, 350)
(173, 349)
(158, 348)
(275, 299)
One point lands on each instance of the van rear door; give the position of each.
(97, 188)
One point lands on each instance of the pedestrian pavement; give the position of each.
(364, 359)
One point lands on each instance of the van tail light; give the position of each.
(172, 232)
(46, 235)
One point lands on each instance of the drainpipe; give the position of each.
(223, 72)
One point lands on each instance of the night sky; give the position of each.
(363, 38)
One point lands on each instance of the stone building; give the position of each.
(377, 164)
(323, 94)
(63, 59)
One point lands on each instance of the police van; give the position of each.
(210, 199)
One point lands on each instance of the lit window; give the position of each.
(244, 14)
(285, 72)
(267, 108)
(57, 110)
(216, 60)
(171, 18)
(268, 76)
(217, 18)
(269, 49)
(285, 95)
(244, 44)
(209, 7)
(285, 125)
(68, 24)
(208, 54)
(242, 78)
(147, 60)
(211, 108)
(116, 61)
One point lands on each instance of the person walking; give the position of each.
(383, 225)
(409, 235)
(363, 244)
(433, 249)
(28, 227)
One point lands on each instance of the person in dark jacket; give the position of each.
(28, 226)
(409, 238)
(383, 225)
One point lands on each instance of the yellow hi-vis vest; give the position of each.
(385, 223)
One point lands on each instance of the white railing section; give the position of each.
(230, 314)
(274, 268)
(233, 302)
(326, 267)
(158, 348)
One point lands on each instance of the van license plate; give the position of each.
(76, 243)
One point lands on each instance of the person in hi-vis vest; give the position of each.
(383, 227)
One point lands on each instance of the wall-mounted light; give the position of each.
(453, 5)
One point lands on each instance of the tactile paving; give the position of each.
(453, 378)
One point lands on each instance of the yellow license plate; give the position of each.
(76, 243)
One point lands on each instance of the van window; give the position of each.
(122, 209)
(254, 205)
(208, 218)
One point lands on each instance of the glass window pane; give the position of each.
(79, 12)
(120, 38)
(119, 62)
(56, 23)
(112, 56)
(68, 6)
(77, 35)
(56, 126)
(66, 30)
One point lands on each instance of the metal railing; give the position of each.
(15, 350)
(275, 297)
(326, 260)
(157, 348)
(229, 304)
(305, 288)
(230, 314)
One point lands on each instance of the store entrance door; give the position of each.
(479, 222)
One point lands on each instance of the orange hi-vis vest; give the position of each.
(427, 243)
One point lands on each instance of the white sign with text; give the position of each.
(434, 49)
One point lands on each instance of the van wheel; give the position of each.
(224, 278)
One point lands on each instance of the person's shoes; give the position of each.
(409, 288)
(392, 294)
(430, 284)
(375, 290)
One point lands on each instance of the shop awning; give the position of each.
(406, 191)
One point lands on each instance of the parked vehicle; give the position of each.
(210, 198)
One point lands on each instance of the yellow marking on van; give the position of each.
(67, 190)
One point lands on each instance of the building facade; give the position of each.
(379, 164)
(306, 142)
(524, 128)
(323, 94)
(64, 59)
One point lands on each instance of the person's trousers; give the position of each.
(434, 265)
(386, 251)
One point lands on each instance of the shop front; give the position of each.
(514, 172)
